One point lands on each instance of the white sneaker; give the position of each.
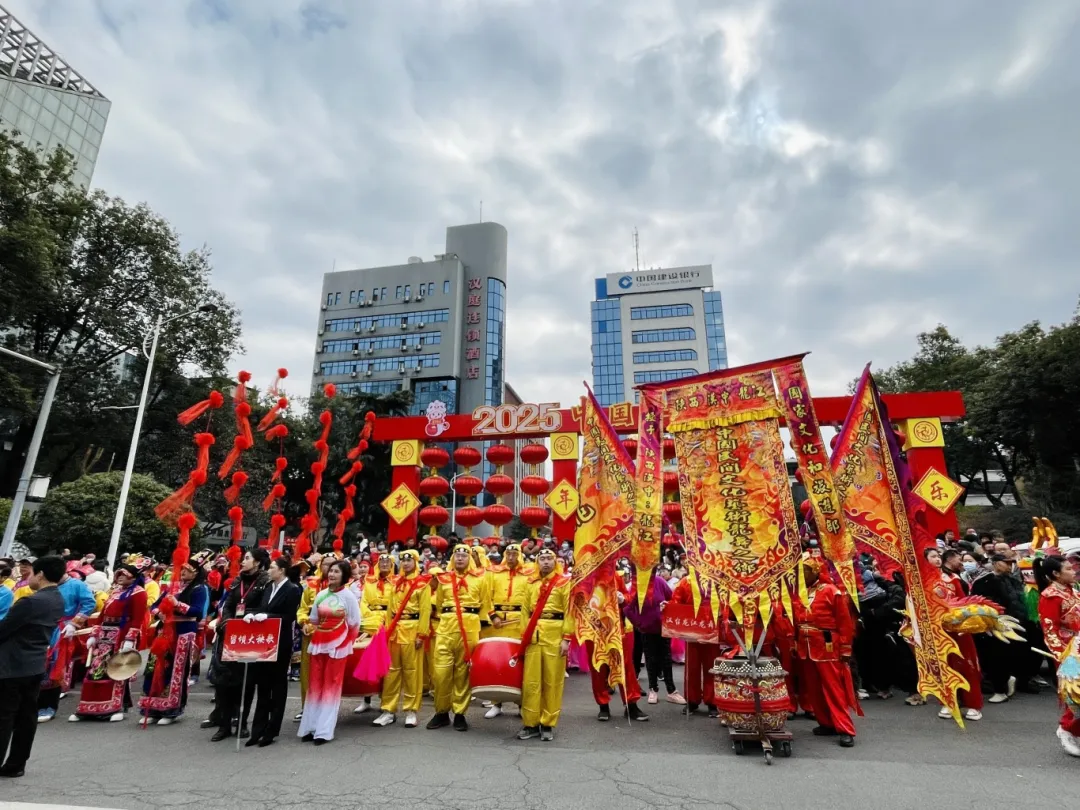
(487, 704)
(1012, 685)
(1068, 742)
(74, 719)
(862, 694)
(973, 714)
(410, 719)
(384, 719)
(997, 697)
(363, 707)
(116, 718)
(944, 714)
(652, 697)
(493, 712)
(166, 721)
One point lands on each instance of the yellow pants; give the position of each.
(406, 672)
(542, 684)
(429, 665)
(451, 675)
(305, 668)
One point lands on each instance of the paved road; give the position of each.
(904, 758)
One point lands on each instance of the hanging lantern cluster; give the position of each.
(499, 485)
(631, 447)
(433, 487)
(468, 486)
(534, 487)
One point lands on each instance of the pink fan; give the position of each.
(374, 661)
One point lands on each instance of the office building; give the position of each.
(436, 328)
(652, 326)
(46, 102)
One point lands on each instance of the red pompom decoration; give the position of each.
(277, 522)
(369, 416)
(330, 390)
(244, 376)
(277, 432)
(317, 468)
(187, 521)
(338, 544)
(204, 439)
(282, 404)
(282, 373)
(243, 410)
(326, 417)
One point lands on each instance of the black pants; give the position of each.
(999, 661)
(658, 661)
(639, 652)
(227, 700)
(874, 655)
(272, 688)
(18, 718)
(49, 698)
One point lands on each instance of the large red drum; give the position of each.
(495, 670)
(351, 687)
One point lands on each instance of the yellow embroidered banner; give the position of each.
(645, 547)
(605, 518)
(873, 483)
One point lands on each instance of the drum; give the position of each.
(735, 693)
(495, 670)
(351, 687)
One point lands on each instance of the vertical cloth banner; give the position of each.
(836, 544)
(605, 518)
(739, 521)
(874, 485)
(645, 545)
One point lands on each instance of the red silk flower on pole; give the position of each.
(212, 402)
(170, 508)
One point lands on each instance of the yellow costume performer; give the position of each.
(462, 600)
(508, 584)
(408, 629)
(550, 629)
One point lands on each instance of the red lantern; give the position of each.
(805, 507)
(669, 449)
(469, 516)
(534, 454)
(798, 475)
(534, 485)
(434, 486)
(466, 457)
(673, 512)
(491, 541)
(671, 482)
(832, 442)
(437, 543)
(500, 454)
(434, 456)
(498, 514)
(433, 516)
(499, 484)
(535, 517)
(631, 447)
(468, 486)
(670, 540)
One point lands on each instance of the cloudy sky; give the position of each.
(854, 171)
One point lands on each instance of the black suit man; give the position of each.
(280, 601)
(24, 643)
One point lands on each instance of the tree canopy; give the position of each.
(83, 278)
(1023, 409)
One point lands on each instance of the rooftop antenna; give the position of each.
(481, 210)
(334, 267)
(637, 257)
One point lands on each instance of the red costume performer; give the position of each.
(825, 634)
(698, 685)
(599, 677)
(1059, 614)
(967, 663)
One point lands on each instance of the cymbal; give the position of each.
(123, 665)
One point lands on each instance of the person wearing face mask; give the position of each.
(123, 622)
(165, 682)
(970, 570)
(280, 600)
(244, 597)
(335, 623)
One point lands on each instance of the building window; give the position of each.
(431, 288)
(370, 387)
(663, 335)
(375, 294)
(359, 296)
(397, 292)
(427, 391)
(352, 296)
(496, 327)
(425, 317)
(607, 359)
(408, 291)
(663, 375)
(329, 299)
(674, 356)
(382, 294)
(337, 298)
(446, 287)
(667, 311)
(714, 330)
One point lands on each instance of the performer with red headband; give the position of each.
(825, 634)
(408, 629)
(462, 600)
(546, 641)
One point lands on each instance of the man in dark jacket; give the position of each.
(24, 643)
(1001, 660)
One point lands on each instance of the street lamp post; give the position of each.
(125, 486)
(23, 487)
(453, 499)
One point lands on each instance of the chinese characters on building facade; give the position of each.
(473, 312)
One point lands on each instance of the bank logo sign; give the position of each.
(674, 278)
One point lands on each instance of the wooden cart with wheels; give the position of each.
(753, 700)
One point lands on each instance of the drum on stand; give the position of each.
(496, 670)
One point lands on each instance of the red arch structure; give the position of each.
(920, 416)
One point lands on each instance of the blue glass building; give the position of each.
(654, 326)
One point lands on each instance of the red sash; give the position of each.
(401, 608)
(460, 620)
(541, 602)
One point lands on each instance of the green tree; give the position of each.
(83, 277)
(79, 515)
(26, 519)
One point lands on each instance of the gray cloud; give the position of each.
(855, 172)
